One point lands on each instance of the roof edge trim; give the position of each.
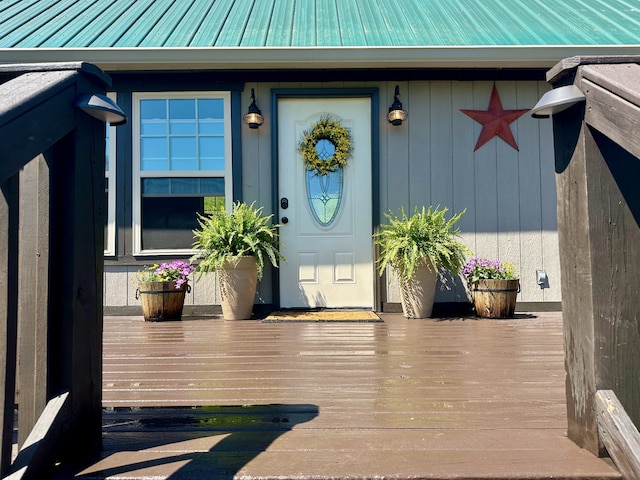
(251, 58)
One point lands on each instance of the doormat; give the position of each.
(362, 316)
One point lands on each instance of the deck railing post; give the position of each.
(75, 318)
(597, 166)
(8, 314)
(34, 294)
(57, 268)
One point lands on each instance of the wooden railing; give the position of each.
(51, 247)
(618, 434)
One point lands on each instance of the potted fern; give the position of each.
(236, 246)
(420, 249)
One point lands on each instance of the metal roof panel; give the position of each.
(209, 30)
(316, 23)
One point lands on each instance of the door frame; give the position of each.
(373, 94)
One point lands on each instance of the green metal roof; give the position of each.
(316, 23)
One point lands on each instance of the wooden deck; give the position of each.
(403, 399)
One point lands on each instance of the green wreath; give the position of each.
(327, 128)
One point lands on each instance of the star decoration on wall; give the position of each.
(495, 121)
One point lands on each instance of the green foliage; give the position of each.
(407, 242)
(330, 129)
(224, 238)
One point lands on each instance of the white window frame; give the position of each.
(110, 175)
(227, 174)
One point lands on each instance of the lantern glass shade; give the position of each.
(397, 116)
(253, 119)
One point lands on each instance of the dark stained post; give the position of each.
(51, 263)
(77, 165)
(8, 312)
(34, 296)
(598, 169)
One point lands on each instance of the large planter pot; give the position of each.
(238, 282)
(161, 300)
(418, 293)
(495, 298)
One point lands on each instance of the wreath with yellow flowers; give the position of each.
(327, 128)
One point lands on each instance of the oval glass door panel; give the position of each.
(324, 192)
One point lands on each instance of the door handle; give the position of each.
(284, 220)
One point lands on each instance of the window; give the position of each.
(182, 166)
(109, 189)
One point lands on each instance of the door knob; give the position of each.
(284, 220)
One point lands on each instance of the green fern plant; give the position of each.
(426, 236)
(224, 238)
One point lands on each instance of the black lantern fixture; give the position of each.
(396, 114)
(253, 117)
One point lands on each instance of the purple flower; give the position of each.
(177, 270)
(479, 269)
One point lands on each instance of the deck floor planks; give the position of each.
(437, 399)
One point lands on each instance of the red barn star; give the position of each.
(495, 121)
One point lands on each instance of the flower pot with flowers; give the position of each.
(494, 287)
(161, 289)
(420, 248)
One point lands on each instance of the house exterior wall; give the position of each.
(509, 195)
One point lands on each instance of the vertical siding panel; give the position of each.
(526, 129)
(486, 207)
(396, 154)
(252, 164)
(440, 142)
(464, 169)
(550, 246)
(205, 290)
(394, 193)
(418, 123)
(507, 178)
(382, 150)
(115, 295)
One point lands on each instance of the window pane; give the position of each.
(211, 116)
(213, 186)
(153, 109)
(106, 152)
(168, 222)
(153, 115)
(182, 115)
(211, 127)
(211, 109)
(211, 153)
(153, 154)
(183, 153)
(183, 109)
(106, 217)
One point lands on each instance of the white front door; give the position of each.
(329, 255)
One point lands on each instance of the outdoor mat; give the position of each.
(322, 316)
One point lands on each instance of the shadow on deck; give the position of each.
(439, 399)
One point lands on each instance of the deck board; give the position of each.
(403, 399)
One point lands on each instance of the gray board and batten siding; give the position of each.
(509, 195)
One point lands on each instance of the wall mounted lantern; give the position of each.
(253, 117)
(557, 100)
(396, 114)
(101, 107)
